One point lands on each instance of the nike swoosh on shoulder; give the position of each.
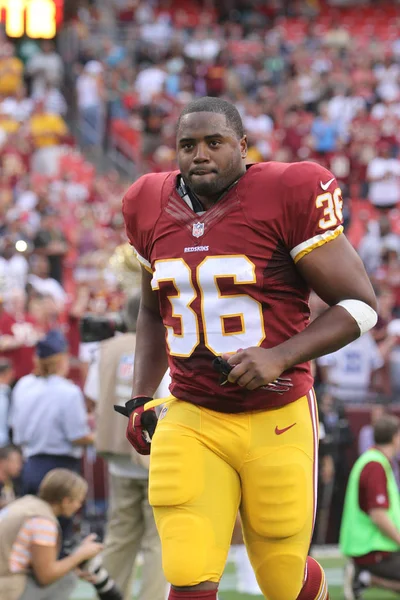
(280, 431)
(327, 184)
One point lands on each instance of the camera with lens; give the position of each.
(105, 586)
(95, 328)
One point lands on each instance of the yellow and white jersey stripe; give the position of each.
(318, 240)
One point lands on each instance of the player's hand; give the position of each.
(255, 368)
(141, 423)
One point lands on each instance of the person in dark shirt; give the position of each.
(370, 530)
(51, 242)
(10, 471)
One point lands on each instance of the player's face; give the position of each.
(210, 155)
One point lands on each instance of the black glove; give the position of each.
(223, 368)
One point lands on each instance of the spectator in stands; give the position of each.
(130, 524)
(259, 128)
(6, 378)
(325, 131)
(57, 429)
(383, 174)
(47, 131)
(10, 470)
(41, 281)
(90, 102)
(370, 530)
(8, 124)
(150, 81)
(19, 333)
(153, 116)
(29, 541)
(366, 435)
(348, 373)
(11, 70)
(379, 236)
(13, 266)
(18, 106)
(54, 101)
(50, 241)
(45, 67)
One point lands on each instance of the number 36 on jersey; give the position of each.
(215, 307)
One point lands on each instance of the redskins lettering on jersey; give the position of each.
(227, 279)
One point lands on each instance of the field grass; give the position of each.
(332, 566)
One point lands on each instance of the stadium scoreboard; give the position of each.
(37, 19)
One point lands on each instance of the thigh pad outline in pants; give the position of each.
(195, 496)
(278, 500)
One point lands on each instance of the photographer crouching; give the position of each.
(131, 527)
(30, 540)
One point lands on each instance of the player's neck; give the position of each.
(209, 201)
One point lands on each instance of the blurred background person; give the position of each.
(49, 419)
(42, 282)
(366, 435)
(130, 525)
(57, 429)
(29, 541)
(370, 529)
(348, 373)
(335, 440)
(6, 378)
(50, 241)
(19, 332)
(10, 471)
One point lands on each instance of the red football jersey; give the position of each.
(227, 278)
(27, 333)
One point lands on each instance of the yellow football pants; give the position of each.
(205, 465)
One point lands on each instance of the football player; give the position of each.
(229, 255)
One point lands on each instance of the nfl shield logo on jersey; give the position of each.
(198, 229)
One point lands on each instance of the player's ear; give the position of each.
(243, 146)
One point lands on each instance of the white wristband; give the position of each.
(365, 316)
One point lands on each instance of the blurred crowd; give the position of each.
(81, 116)
(313, 80)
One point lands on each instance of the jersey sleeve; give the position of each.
(313, 209)
(132, 209)
(141, 207)
(373, 490)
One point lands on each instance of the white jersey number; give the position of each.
(216, 308)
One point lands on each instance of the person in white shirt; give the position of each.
(45, 67)
(383, 174)
(13, 268)
(149, 82)
(89, 90)
(54, 101)
(19, 106)
(348, 371)
(258, 126)
(43, 284)
(202, 47)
